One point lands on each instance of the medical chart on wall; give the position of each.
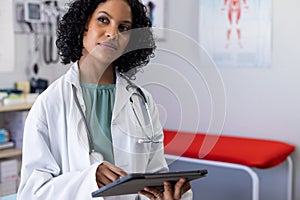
(7, 43)
(236, 33)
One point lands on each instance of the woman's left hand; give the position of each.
(171, 192)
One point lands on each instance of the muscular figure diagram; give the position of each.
(234, 10)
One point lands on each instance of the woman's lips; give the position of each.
(108, 45)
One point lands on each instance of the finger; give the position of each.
(115, 169)
(100, 184)
(147, 194)
(187, 186)
(101, 178)
(168, 190)
(109, 174)
(156, 193)
(104, 180)
(178, 188)
(111, 171)
(104, 174)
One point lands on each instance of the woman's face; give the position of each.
(107, 32)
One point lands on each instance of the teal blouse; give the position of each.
(99, 102)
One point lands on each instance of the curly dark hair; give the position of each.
(71, 28)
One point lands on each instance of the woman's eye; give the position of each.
(102, 19)
(124, 28)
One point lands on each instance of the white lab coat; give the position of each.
(56, 162)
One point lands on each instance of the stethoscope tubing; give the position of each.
(89, 135)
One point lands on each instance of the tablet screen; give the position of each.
(133, 183)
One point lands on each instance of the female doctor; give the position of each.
(93, 125)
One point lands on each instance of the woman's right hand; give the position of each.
(107, 173)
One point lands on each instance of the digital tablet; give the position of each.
(133, 183)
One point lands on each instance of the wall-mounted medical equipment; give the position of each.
(52, 14)
(39, 18)
(33, 11)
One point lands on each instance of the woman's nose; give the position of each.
(111, 32)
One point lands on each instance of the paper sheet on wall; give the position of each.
(7, 44)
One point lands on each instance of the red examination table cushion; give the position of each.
(251, 152)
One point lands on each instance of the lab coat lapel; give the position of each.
(76, 119)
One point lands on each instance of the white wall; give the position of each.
(260, 102)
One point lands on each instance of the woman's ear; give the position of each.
(86, 27)
(84, 31)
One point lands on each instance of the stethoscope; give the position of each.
(139, 93)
